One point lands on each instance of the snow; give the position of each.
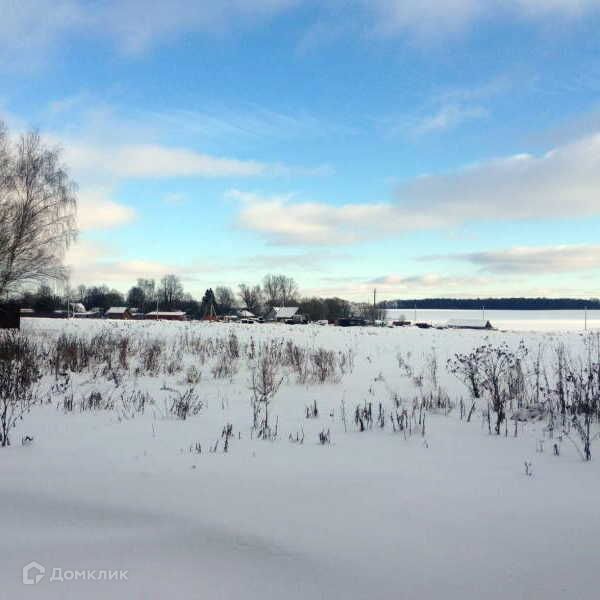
(511, 320)
(373, 515)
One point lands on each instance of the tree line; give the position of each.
(495, 303)
(168, 294)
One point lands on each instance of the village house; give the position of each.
(280, 314)
(158, 315)
(469, 324)
(118, 312)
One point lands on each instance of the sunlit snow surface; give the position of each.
(373, 515)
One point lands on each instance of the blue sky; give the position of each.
(439, 148)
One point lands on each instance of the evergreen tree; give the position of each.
(208, 308)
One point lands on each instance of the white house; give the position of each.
(282, 313)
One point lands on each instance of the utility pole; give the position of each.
(68, 292)
(374, 305)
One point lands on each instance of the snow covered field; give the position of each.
(512, 320)
(373, 514)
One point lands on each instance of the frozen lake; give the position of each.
(516, 320)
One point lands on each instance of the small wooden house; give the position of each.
(118, 312)
(158, 315)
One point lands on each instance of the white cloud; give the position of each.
(31, 29)
(137, 28)
(283, 221)
(534, 260)
(95, 210)
(155, 161)
(534, 8)
(448, 117)
(436, 285)
(248, 122)
(411, 286)
(435, 19)
(426, 281)
(562, 183)
(101, 142)
(92, 262)
(426, 17)
(448, 108)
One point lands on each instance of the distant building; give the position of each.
(469, 324)
(351, 322)
(245, 314)
(158, 315)
(281, 314)
(77, 307)
(118, 312)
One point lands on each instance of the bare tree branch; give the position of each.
(37, 211)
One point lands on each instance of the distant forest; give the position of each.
(496, 303)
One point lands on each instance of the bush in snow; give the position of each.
(491, 370)
(18, 373)
(185, 404)
(265, 382)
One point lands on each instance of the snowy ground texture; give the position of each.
(373, 514)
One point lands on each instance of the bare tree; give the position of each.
(280, 290)
(171, 290)
(37, 211)
(225, 299)
(148, 287)
(252, 297)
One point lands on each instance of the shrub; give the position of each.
(19, 372)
